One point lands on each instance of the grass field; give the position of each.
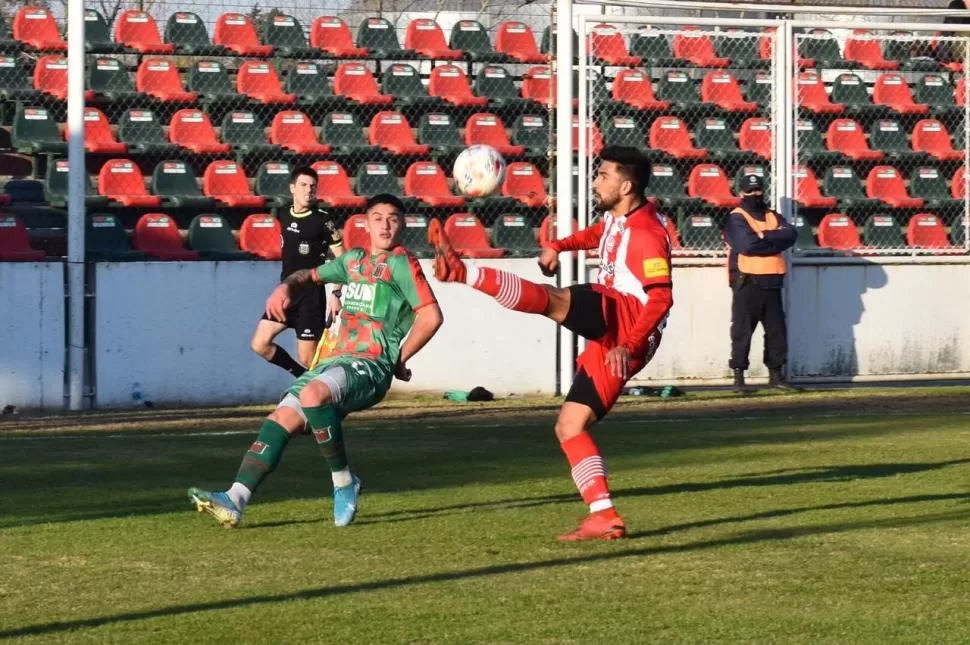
(832, 517)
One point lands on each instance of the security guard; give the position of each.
(758, 238)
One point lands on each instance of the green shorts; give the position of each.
(355, 383)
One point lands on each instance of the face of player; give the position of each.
(303, 190)
(383, 226)
(609, 187)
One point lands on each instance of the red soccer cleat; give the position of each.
(448, 265)
(596, 527)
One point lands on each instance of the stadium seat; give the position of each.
(98, 135)
(667, 185)
(470, 36)
(607, 46)
(926, 231)
(708, 182)
(891, 90)
(439, 131)
(842, 183)
(273, 183)
(333, 186)
(513, 233)
(539, 84)
(14, 243)
(355, 233)
(810, 146)
(187, 32)
(812, 96)
(308, 82)
(14, 83)
(259, 82)
(469, 238)
(931, 136)
(449, 83)
(760, 89)
(850, 91)
(191, 129)
(160, 79)
(714, 136)
(839, 232)
(531, 131)
(756, 136)
(722, 89)
(143, 134)
(496, 85)
(594, 138)
(425, 37)
(211, 235)
(36, 27)
(105, 239)
(669, 134)
(652, 46)
(97, 36)
(284, 34)
(960, 91)
(696, 48)
(807, 192)
(742, 48)
(804, 239)
(523, 182)
(863, 47)
(355, 82)
(379, 36)
(548, 229)
(678, 88)
(403, 82)
(34, 131)
(390, 130)
(937, 92)
(699, 232)
(910, 55)
(845, 136)
(331, 35)
(375, 178)
(225, 182)
(175, 182)
(624, 131)
(137, 30)
(109, 79)
(958, 185)
(888, 136)
(886, 184)
(635, 88)
(929, 184)
(50, 77)
(292, 129)
(516, 40)
(488, 129)
(958, 233)
(881, 231)
(426, 182)
(344, 134)
(260, 235)
(55, 187)
(157, 235)
(121, 181)
(236, 32)
(547, 43)
(210, 80)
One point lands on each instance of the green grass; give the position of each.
(834, 517)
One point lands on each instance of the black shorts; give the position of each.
(307, 315)
(585, 316)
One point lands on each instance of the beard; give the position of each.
(603, 204)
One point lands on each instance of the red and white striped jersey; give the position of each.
(634, 252)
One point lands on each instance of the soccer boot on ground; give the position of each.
(596, 527)
(448, 266)
(345, 502)
(218, 505)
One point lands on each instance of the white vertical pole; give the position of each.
(75, 203)
(564, 168)
(582, 158)
(786, 64)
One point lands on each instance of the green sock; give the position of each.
(328, 431)
(263, 455)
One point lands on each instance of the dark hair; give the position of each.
(385, 198)
(632, 163)
(299, 171)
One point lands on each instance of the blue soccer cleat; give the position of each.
(218, 505)
(345, 502)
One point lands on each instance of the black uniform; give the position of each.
(306, 238)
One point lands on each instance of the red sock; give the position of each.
(511, 291)
(589, 473)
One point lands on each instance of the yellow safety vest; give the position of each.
(761, 264)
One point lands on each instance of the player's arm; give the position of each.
(333, 272)
(743, 239)
(584, 240)
(428, 317)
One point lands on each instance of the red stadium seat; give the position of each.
(138, 30)
(225, 181)
(958, 185)
(606, 44)
(98, 136)
(293, 130)
(50, 77)
(333, 186)
(425, 37)
(892, 91)
(708, 182)
(862, 48)
(539, 84)
(755, 136)
(469, 237)
(838, 231)
(120, 180)
(191, 129)
(524, 182)
(698, 49)
(516, 39)
(886, 184)
(14, 243)
(260, 235)
(926, 231)
(158, 235)
(356, 82)
(236, 32)
(36, 27)
(812, 96)
(845, 136)
(260, 82)
(331, 34)
(548, 232)
(426, 181)
(960, 91)
(594, 144)
(722, 89)
(160, 79)
(488, 129)
(450, 83)
(391, 131)
(931, 136)
(807, 192)
(633, 87)
(355, 233)
(668, 133)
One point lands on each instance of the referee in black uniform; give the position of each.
(308, 234)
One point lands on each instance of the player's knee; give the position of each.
(568, 428)
(315, 394)
(262, 347)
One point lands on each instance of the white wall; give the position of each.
(31, 334)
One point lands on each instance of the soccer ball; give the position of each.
(478, 171)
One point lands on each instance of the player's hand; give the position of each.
(333, 308)
(618, 360)
(549, 263)
(278, 303)
(402, 373)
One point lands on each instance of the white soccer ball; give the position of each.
(478, 171)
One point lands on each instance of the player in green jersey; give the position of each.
(389, 314)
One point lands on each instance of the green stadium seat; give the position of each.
(140, 130)
(883, 232)
(439, 131)
(7, 42)
(699, 232)
(678, 88)
(210, 80)
(109, 79)
(105, 240)
(174, 181)
(211, 235)
(621, 130)
(652, 47)
(910, 55)
(97, 36)
(471, 37)
(496, 84)
(246, 133)
(285, 34)
(850, 91)
(55, 187)
(667, 185)
(742, 48)
(342, 131)
(842, 183)
(547, 44)
(929, 184)
(403, 82)
(889, 136)
(374, 178)
(35, 131)
(937, 92)
(805, 239)
(810, 147)
(379, 36)
(716, 136)
(187, 32)
(958, 232)
(759, 89)
(531, 131)
(820, 49)
(14, 83)
(514, 234)
(414, 236)
(273, 183)
(308, 81)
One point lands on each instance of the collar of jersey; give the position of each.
(637, 214)
(308, 211)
